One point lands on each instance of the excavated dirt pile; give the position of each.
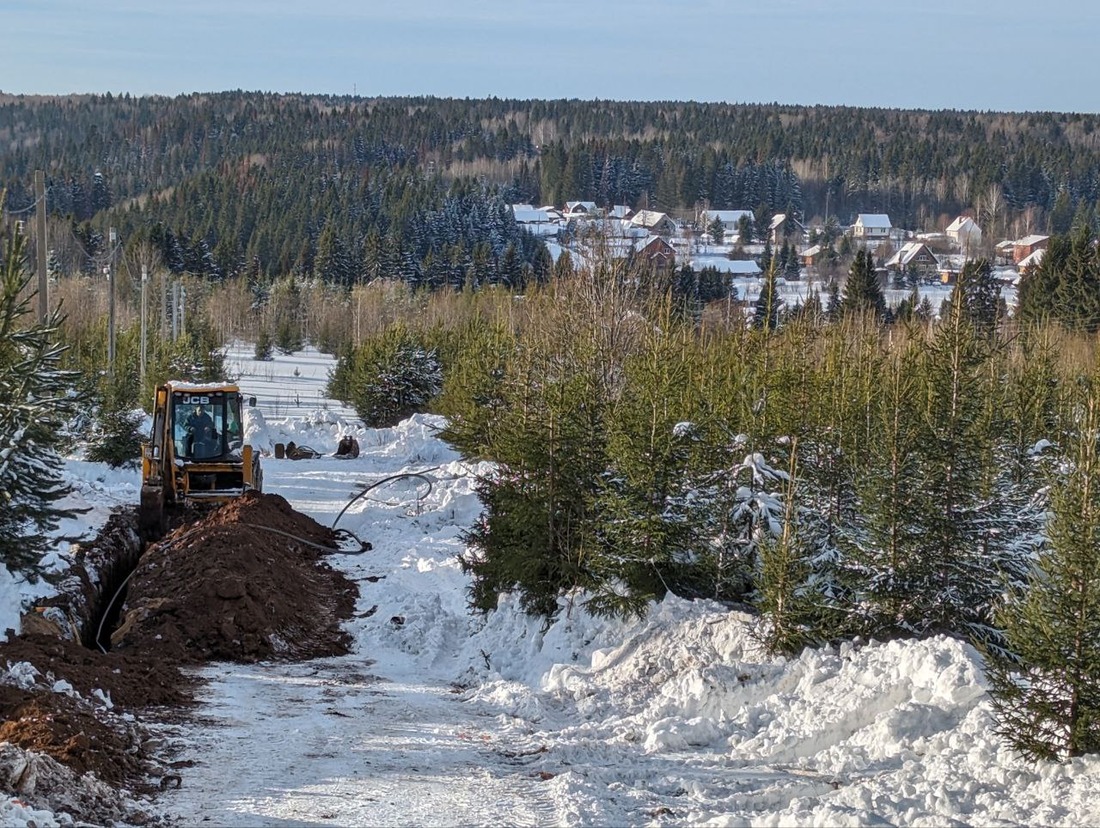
(246, 582)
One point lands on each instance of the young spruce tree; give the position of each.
(1044, 688)
(36, 401)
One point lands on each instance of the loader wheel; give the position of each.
(152, 517)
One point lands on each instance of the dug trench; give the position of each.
(115, 650)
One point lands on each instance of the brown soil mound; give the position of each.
(79, 733)
(130, 680)
(246, 583)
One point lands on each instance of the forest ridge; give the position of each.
(250, 179)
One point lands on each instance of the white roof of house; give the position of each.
(1030, 240)
(812, 251)
(906, 253)
(583, 206)
(648, 240)
(620, 248)
(529, 215)
(1032, 260)
(777, 220)
(959, 224)
(726, 216)
(609, 227)
(648, 218)
(618, 211)
(521, 207)
(738, 267)
(874, 220)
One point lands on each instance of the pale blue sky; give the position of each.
(933, 54)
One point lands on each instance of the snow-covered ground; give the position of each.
(440, 717)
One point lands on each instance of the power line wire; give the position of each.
(27, 209)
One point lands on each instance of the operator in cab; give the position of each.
(200, 430)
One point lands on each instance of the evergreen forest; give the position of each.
(348, 188)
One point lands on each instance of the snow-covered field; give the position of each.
(440, 717)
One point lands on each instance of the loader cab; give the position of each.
(206, 425)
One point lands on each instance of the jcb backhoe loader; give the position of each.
(196, 453)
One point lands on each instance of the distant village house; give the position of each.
(654, 222)
(914, 257)
(1027, 245)
(871, 227)
(965, 233)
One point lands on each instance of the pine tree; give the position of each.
(769, 304)
(952, 587)
(1077, 295)
(717, 230)
(534, 533)
(785, 568)
(885, 542)
(744, 230)
(510, 269)
(793, 269)
(472, 397)
(832, 304)
(648, 535)
(117, 435)
(766, 257)
(388, 378)
(265, 344)
(1043, 686)
(745, 504)
(983, 295)
(36, 401)
(1039, 285)
(862, 291)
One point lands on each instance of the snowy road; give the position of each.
(329, 742)
(380, 737)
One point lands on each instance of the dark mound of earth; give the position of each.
(245, 582)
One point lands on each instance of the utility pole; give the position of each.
(40, 231)
(175, 310)
(144, 317)
(112, 236)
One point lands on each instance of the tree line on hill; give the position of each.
(263, 184)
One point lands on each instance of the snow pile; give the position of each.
(320, 431)
(686, 712)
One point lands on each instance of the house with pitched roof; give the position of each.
(965, 232)
(871, 227)
(580, 208)
(914, 256)
(1027, 245)
(654, 222)
(541, 222)
(658, 252)
(812, 255)
(1031, 260)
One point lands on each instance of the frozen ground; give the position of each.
(444, 718)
